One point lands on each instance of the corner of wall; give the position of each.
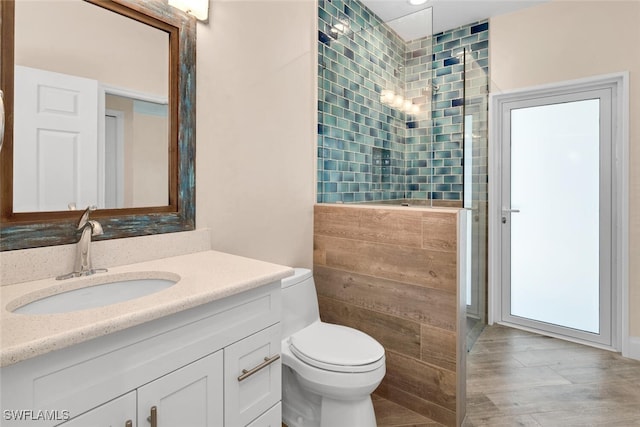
(633, 350)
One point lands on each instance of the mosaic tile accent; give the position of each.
(368, 151)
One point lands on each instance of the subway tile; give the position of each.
(357, 68)
(480, 28)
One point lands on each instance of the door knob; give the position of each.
(505, 210)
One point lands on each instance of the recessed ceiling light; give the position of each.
(417, 2)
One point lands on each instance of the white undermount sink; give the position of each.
(97, 295)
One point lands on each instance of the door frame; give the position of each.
(619, 82)
(119, 167)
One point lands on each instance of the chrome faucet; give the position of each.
(83, 265)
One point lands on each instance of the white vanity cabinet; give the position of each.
(115, 413)
(211, 366)
(190, 396)
(252, 377)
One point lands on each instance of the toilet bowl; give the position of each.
(329, 371)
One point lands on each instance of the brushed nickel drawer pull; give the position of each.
(153, 418)
(267, 361)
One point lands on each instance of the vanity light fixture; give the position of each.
(197, 8)
(416, 2)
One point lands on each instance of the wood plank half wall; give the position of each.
(393, 273)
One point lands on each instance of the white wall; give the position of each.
(256, 109)
(566, 40)
(82, 39)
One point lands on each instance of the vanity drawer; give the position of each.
(112, 414)
(271, 418)
(253, 371)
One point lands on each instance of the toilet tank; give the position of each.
(299, 302)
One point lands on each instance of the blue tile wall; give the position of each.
(460, 73)
(361, 140)
(368, 151)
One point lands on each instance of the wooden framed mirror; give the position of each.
(29, 215)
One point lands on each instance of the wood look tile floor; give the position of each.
(516, 378)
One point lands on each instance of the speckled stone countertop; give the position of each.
(203, 277)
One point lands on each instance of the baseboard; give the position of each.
(633, 351)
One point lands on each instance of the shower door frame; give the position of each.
(619, 85)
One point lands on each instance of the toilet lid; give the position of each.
(337, 348)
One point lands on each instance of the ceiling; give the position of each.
(447, 14)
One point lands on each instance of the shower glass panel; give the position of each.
(476, 186)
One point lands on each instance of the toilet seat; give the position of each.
(337, 348)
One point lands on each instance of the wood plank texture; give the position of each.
(370, 225)
(393, 274)
(389, 414)
(387, 296)
(421, 379)
(599, 389)
(393, 333)
(520, 378)
(439, 232)
(400, 263)
(438, 347)
(417, 404)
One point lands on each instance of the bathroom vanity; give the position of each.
(203, 352)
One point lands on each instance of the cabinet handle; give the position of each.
(153, 418)
(129, 423)
(267, 361)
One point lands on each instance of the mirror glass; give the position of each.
(135, 67)
(91, 121)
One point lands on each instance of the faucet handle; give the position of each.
(72, 206)
(85, 216)
(96, 228)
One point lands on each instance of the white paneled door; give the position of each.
(56, 134)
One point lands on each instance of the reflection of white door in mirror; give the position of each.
(56, 124)
(114, 159)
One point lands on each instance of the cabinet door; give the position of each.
(191, 396)
(271, 418)
(253, 372)
(115, 413)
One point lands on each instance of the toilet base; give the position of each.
(333, 413)
(340, 413)
(303, 408)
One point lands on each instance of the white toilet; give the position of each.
(329, 371)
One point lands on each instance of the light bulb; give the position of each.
(387, 96)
